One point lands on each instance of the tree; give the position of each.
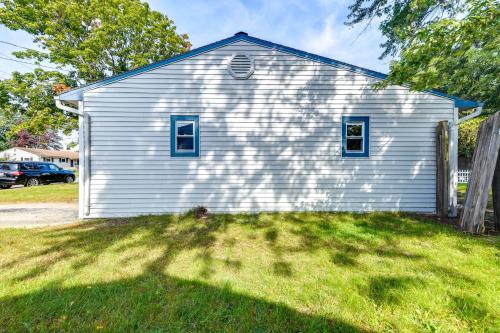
(4, 128)
(48, 140)
(452, 45)
(27, 103)
(95, 38)
(467, 135)
(90, 39)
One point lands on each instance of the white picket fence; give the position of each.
(463, 176)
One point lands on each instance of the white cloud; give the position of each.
(324, 40)
(315, 26)
(353, 45)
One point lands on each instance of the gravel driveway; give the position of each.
(37, 214)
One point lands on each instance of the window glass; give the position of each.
(355, 136)
(8, 167)
(185, 128)
(28, 166)
(185, 136)
(354, 144)
(53, 167)
(185, 143)
(354, 129)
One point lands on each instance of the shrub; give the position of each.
(200, 212)
(467, 135)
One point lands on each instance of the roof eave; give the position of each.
(76, 94)
(466, 104)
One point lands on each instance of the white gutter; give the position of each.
(84, 165)
(474, 114)
(66, 108)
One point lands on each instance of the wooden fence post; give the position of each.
(484, 162)
(495, 188)
(442, 169)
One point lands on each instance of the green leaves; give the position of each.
(90, 38)
(452, 45)
(467, 135)
(97, 38)
(27, 102)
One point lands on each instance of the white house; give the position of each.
(245, 124)
(64, 158)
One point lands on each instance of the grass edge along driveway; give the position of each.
(40, 194)
(283, 272)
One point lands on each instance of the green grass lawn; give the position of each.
(289, 272)
(42, 193)
(462, 189)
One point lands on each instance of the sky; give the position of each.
(316, 26)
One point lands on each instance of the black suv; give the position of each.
(32, 174)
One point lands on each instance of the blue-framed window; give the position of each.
(355, 136)
(184, 136)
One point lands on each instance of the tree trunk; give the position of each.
(484, 162)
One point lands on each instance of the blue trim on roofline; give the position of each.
(77, 93)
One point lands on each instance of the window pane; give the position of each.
(185, 129)
(354, 144)
(354, 130)
(185, 143)
(8, 167)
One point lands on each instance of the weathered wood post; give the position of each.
(442, 169)
(484, 162)
(495, 188)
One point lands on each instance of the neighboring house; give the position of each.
(244, 124)
(64, 158)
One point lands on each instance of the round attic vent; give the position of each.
(240, 66)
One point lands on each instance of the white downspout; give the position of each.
(87, 156)
(453, 158)
(84, 156)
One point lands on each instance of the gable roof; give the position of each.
(77, 93)
(51, 153)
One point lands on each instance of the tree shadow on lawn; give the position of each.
(390, 290)
(155, 303)
(375, 233)
(154, 300)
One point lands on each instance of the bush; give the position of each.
(200, 212)
(467, 135)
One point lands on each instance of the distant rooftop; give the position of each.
(51, 153)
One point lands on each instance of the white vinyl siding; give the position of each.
(270, 142)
